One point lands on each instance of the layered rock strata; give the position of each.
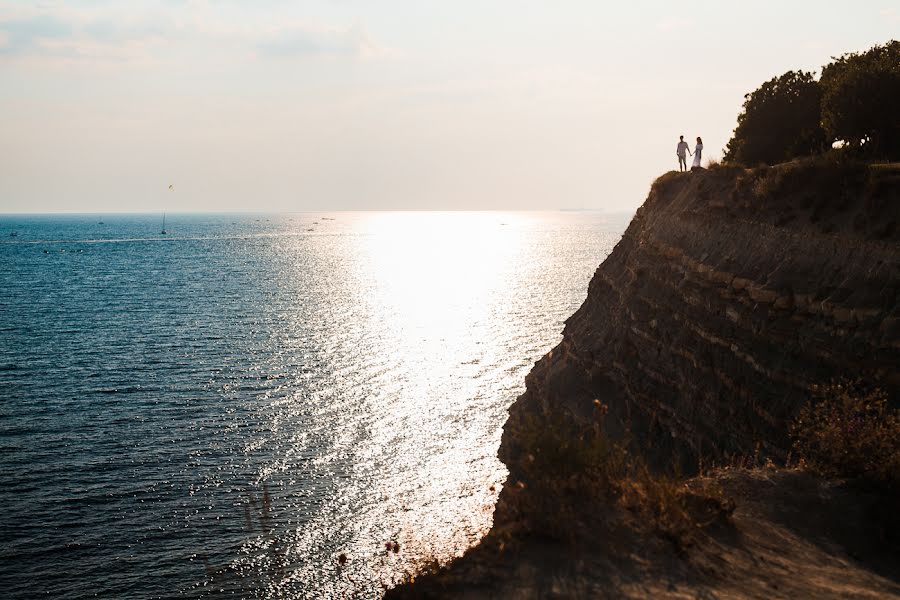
(731, 293)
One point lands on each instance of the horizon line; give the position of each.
(291, 212)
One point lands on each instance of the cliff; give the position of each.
(731, 292)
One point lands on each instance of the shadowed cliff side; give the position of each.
(791, 536)
(730, 294)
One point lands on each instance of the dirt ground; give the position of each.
(792, 535)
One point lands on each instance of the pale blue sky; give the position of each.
(352, 104)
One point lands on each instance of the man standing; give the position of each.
(682, 151)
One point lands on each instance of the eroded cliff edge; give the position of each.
(731, 292)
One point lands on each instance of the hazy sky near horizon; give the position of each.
(352, 104)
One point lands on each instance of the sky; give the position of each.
(274, 105)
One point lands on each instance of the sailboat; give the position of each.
(163, 232)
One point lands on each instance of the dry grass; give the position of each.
(849, 431)
(574, 476)
(425, 567)
(828, 176)
(663, 183)
(674, 508)
(587, 515)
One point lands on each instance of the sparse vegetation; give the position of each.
(664, 182)
(826, 179)
(423, 568)
(849, 431)
(565, 471)
(576, 475)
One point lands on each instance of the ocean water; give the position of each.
(226, 409)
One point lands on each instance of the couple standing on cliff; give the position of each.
(682, 151)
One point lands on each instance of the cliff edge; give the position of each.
(731, 293)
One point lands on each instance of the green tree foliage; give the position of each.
(780, 121)
(861, 100)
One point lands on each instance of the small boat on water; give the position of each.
(13, 234)
(163, 230)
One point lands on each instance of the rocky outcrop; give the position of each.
(730, 294)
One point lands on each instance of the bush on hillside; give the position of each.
(780, 121)
(849, 431)
(861, 100)
(573, 474)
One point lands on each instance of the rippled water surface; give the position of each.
(226, 409)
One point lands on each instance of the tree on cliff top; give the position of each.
(861, 100)
(780, 121)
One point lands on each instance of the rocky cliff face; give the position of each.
(731, 292)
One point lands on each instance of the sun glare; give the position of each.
(438, 271)
(437, 282)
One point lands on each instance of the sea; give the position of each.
(297, 405)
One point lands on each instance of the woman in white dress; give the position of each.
(698, 149)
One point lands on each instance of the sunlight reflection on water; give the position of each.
(278, 392)
(449, 312)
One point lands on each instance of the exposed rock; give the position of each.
(705, 327)
(730, 293)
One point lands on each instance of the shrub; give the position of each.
(860, 96)
(573, 474)
(564, 470)
(556, 447)
(780, 121)
(849, 431)
(825, 180)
